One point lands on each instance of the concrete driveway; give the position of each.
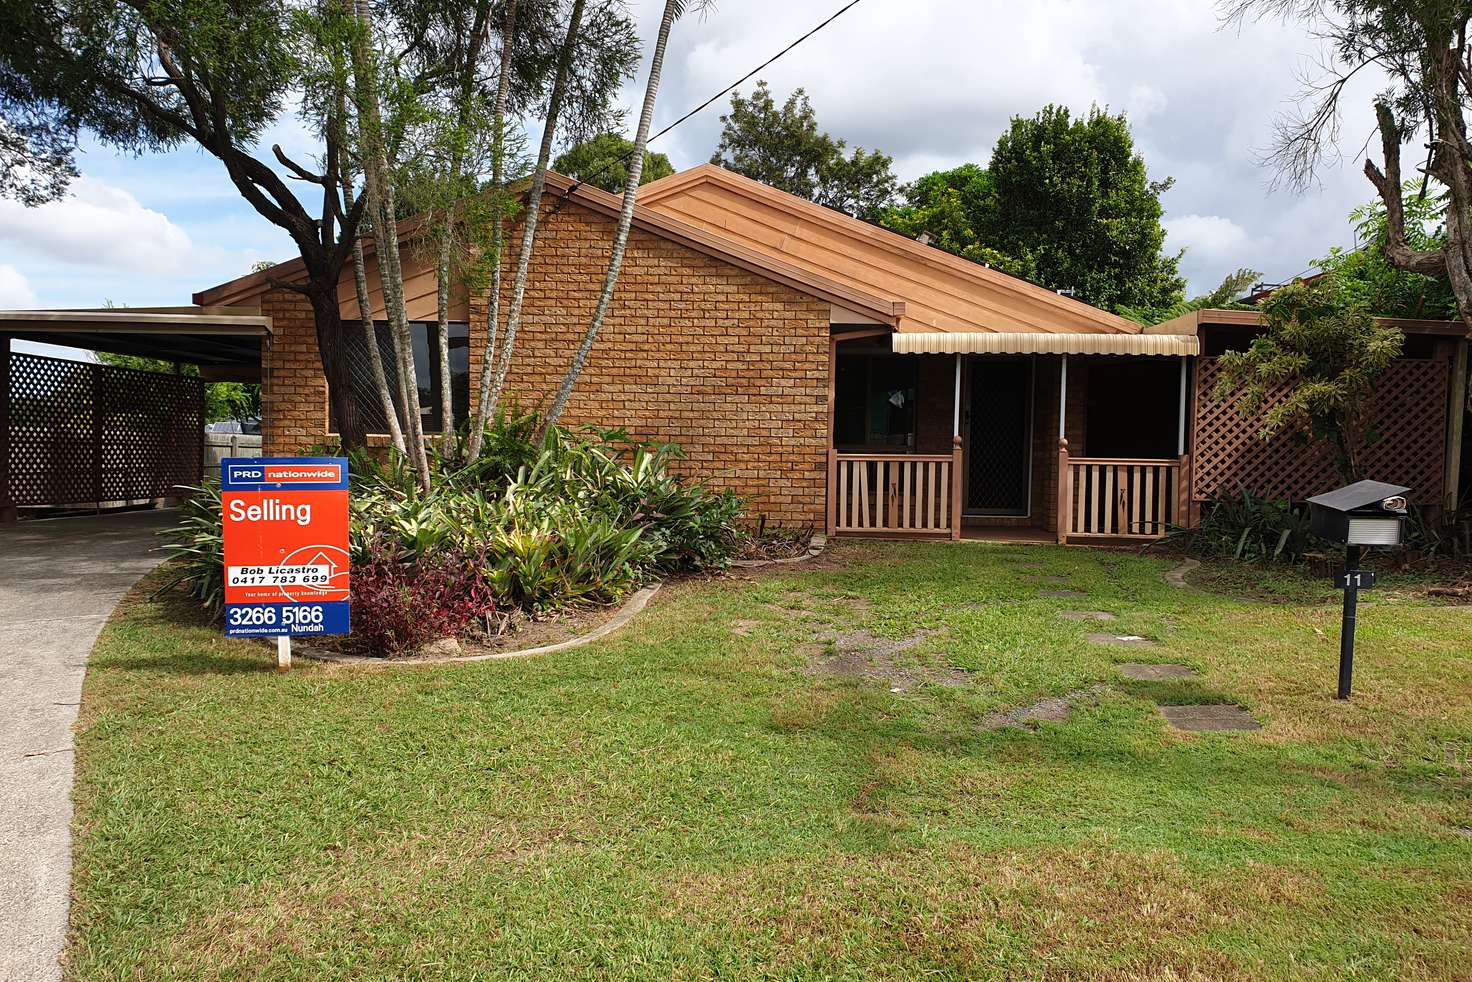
(59, 580)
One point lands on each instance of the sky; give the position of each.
(930, 82)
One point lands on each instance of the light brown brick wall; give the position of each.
(695, 351)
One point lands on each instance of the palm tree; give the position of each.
(533, 212)
(498, 232)
(380, 190)
(673, 9)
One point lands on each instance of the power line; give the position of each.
(839, 13)
(707, 103)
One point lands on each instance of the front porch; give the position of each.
(934, 438)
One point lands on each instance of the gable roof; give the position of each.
(941, 292)
(877, 306)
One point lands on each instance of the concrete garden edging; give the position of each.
(632, 606)
(1177, 577)
(630, 609)
(816, 545)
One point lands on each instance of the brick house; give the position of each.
(847, 377)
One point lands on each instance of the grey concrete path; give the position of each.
(59, 580)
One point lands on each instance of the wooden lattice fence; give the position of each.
(1409, 412)
(85, 433)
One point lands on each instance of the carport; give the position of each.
(82, 434)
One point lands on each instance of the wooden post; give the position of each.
(1065, 491)
(1456, 418)
(9, 514)
(283, 653)
(1184, 516)
(832, 490)
(955, 488)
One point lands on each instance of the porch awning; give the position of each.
(1026, 343)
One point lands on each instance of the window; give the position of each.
(425, 335)
(874, 401)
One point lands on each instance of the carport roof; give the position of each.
(216, 336)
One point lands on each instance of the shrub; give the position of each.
(401, 604)
(198, 547)
(1249, 528)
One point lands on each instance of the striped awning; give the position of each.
(1030, 343)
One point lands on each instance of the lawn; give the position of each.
(732, 788)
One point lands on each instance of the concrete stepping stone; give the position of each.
(1121, 640)
(1210, 718)
(1087, 615)
(1061, 594)
(1038, 578)
(1155, 673)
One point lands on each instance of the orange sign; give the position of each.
(286, 545)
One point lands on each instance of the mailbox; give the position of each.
(1366, 513)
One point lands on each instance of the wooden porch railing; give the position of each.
(1120, 498)
(895, 494)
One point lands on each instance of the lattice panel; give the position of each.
(1409, 411)
(152, 433)
(85, 433)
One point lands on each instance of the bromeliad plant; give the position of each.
(1249, 528)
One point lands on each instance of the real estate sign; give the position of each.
(286, 545)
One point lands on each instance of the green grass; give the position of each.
(692, 798)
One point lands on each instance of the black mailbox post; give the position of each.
(1366, 513)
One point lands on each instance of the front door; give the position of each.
(999, 437)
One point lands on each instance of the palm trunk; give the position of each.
(365, 309)
(442, 311)
(385, 233)
(498, 235)
(370, 339)
(534, 204)
(625, 220)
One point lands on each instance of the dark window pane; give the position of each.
(425, 337)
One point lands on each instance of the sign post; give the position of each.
(286, 548)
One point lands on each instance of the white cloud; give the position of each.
(1213, 236)
(97, 225)
(15, 290)
(1144, 100)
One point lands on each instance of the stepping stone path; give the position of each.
(1086, 615)
(1046, 579)
(1155, 673)
(1061, 594)
(1121, 640)
(1054, 709)
(1210, 719)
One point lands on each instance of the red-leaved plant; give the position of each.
(401, 604)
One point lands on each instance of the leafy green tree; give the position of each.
(950, 209)
(604, 162)
(784, 148)
(1320, 348)
(218, 74)
(1073, 209)
(37, 157)
(1063, 202)
(1369, 279)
